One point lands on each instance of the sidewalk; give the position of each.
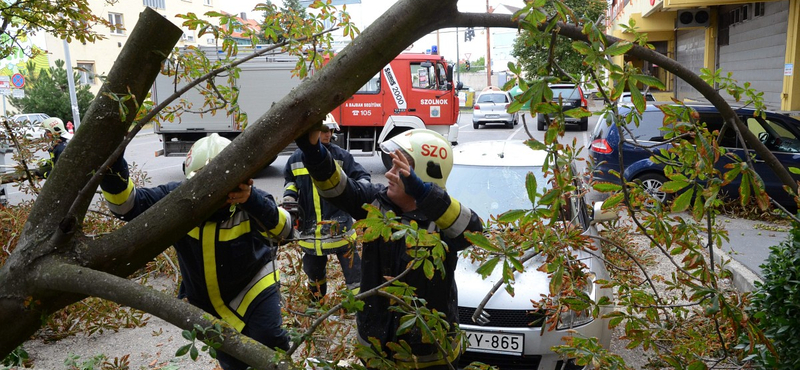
(748, 248)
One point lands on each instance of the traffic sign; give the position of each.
(18, 80)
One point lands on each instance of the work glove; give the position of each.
(414, 185)
(314, 153)
(289, 199)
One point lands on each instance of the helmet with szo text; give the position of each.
(202, 152)
(54, 126)
(430, 151)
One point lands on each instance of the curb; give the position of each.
(743, 278)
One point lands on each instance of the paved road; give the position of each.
(749, 240)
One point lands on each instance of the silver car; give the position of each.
(492, 107)
(489, 177)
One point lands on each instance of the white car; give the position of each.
(489, 177)
(22, 124)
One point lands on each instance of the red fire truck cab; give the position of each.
(412, 91)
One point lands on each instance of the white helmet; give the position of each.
(202, 152)
(330, 123)
(54, 125)
(431, 153)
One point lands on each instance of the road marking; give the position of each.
(515, 133)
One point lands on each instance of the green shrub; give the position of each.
(776, 305)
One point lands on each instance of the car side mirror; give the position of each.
(602, 215)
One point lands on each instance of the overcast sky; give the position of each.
(365, 13)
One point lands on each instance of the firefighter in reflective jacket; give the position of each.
(227, 262)
(54, 129)
(324, 229)
(422, 160)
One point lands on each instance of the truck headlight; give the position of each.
(571, 318)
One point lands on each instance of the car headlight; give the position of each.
(571, 318)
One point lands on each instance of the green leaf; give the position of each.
(682, 202)
(674, 186)
(613, 200)
(480, 240)
(486, 269)
(427, 267)
(183, 350)
(607, 187)
(531, 186)
(512, 215)
(619, 48)
(648, 80)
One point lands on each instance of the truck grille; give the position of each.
(504, 318)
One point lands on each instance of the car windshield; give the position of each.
(492, 189)
(493, 98)
(565, 93)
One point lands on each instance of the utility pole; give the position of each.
(76, 115)
(458, 59)
(488, 50)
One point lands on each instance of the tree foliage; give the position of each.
(533, 50)
(68, 19)
(56, 262)
(47, 91)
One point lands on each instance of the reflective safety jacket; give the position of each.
(324, 228)
(227, 261)
(55, 152)
(379, 258)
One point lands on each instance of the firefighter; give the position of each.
(228, 261)
(421, 161)
(324, 229)
(53, 130)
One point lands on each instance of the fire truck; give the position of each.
(413, 91)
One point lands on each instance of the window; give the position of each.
(759, 9)
(427, 75)
(188, 35)
(86, 71)
(155, 4)
(117, 25)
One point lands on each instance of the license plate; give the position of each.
(504, 343)
(492, 115)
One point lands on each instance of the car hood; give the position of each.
(530, 285)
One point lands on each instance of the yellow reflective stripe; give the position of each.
(226, 235)
(120, 197)
(332, 182)
(300, 171)
(265, 282)
(195, 233)
(450, 215)
(212, 284)
(318, 214)
(325, 245)
(291, 187)
(282, 229)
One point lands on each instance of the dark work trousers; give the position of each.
(265, 325)
(315, 268)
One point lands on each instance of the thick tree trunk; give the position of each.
(49, 233)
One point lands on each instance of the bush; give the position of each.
(776, 305)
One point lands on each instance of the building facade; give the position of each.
(756, 41)
(96, 59)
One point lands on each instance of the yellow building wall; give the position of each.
(790, 98)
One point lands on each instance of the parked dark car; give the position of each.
(572, 96)
(780, 133)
